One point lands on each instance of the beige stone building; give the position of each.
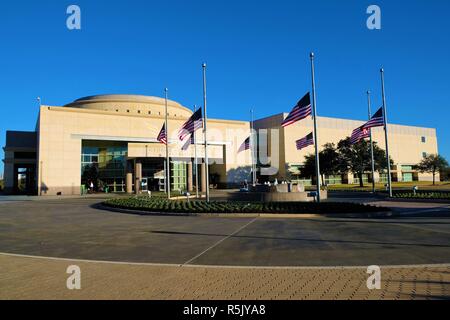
(407, 146)
(111, 140)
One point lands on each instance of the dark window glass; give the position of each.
(25, 155)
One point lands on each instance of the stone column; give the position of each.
(377, 177)
(203, 175)
(190, 177)
(129, 183)
(138, 177)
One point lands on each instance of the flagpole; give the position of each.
(371, 142)
(253, 148)
(386, 132)
(196, 159)
(167, 178)
(205, 133)
(315, 126)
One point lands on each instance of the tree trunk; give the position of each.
(434, 178)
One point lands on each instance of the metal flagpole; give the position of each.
(205, 133)
(252, 143)
(315, 126)
(167, 178)
(386, 132)
(371, 143)
(196, 159)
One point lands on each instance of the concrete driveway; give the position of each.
(72, 228)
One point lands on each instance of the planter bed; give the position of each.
(194, 207)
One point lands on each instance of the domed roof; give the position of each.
(130, 104)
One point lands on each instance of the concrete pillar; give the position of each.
(138, 177)
(377, 177)
(350, 178)
(129, 183)
(190, 177)
(399, 172)
(203, 175)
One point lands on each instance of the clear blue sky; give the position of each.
(257, 55)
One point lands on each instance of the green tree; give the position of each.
(445, 174)
(328, 159)
(432, 163)
(356, 158)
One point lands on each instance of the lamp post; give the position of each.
(167, 178)
(383, 93)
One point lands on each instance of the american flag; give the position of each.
(377, 120)
(194, 123)
(300, 111)
(304, 142)
(188, 143)
(245, 145)
(358, 134)
(162, 137)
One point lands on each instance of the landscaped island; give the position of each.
(161, 205)
(436, 195)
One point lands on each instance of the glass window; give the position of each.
(424, 139)
(103, 162)
(424, 154)
(407, 177)
(179, 178)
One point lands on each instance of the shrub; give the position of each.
(438, 195)
(160, 205)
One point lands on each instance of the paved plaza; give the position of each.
(125, 256)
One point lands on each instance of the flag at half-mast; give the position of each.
(245, 145)
(301, 111)
(304, 142)
(194, 123)
(359, 134)
(162, 137)
(188, 143)
(377, 120)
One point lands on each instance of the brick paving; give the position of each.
(41, 278)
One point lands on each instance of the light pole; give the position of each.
(253, 145)
(205, 133)
(315, 125)
(167, 178)
(386, 133)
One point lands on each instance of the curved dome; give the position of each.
(131, 104)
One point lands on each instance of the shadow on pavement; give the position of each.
(301, 239)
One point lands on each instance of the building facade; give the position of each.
(111, 142)
(407, 147)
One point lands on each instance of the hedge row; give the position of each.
(438, 195)
(165, 206)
